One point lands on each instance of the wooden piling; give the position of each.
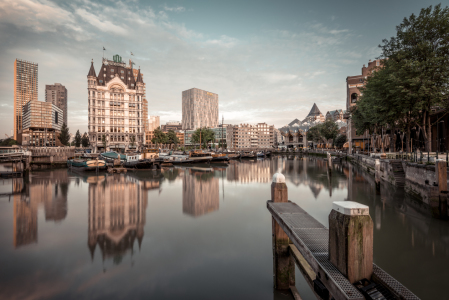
(284, 264)
(377, 174)
(351, 240)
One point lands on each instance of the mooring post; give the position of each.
(283, 263)
(351, 240)
(377, 174)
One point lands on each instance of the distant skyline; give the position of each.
(268, 61)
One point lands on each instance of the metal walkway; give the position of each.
(312, 240)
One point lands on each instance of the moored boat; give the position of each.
(86, 164)
(197, 156)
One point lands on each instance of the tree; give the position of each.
(172, 138)
(104, 141)
(314, 135)
(340, 141)
(159, 137)
(203, 135)
(85, 140)
(132, 140)
(8, 142)
(420, 50)
(64, 136)
(77, 138)
(328, 130)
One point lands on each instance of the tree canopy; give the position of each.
(78, 138)
(171, 138)
(323, 132)
(64, 136)
(413, 79)
(85, 140)
(203, 136)
(159, 137)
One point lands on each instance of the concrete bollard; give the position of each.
(284, 265)
(377, 174)
(351, 240)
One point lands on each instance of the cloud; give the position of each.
(267, 76)
(177, 9)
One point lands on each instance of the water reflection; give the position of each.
(109, 213)
(117, 210)
(200, 189)
(49, 189)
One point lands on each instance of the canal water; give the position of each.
(194, 233)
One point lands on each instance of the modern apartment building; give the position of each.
(116, 106)
(25, 89)
(199, 109)
(260, 135)
(57, 94)
(41, 124)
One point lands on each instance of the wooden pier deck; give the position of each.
(311, 238)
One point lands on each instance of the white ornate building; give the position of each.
(116, 107)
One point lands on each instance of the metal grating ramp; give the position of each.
(311, 238)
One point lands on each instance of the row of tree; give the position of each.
(412, 80)
(326, 131)
(161, 137)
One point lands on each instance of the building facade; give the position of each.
(41, 125)
(116, 107)
(171, 125)
(153, 123)
(243, 136)
(335, 115)
(353, 83)
(199, 109)
(57, 94)
(25, 89)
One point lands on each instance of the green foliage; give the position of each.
(85, 140)
(159, 137)
(323, 132)
(77, 138)
(203, 136)
(314, 135)
(172, 138)
(340, 141)
(104, 141)
(64, 136)
(414, 77)
(8, 142)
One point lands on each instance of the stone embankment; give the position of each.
(419, 180)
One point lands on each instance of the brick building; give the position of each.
(260, 135)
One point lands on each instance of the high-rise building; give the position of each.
(199, 109)
(57, 94)
(116, 106)
(25, 89)
(260, 135)
(154, 122)
(41, 125)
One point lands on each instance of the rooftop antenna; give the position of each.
(103, 51)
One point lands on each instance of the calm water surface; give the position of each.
(193, 233)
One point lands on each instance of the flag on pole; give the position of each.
(104, 48)
(132, 54)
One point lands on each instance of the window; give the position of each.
(354, 98)
(122, 78)
(112, 76)
(112, 70)
(56, 117)
(122, 71)
(101, 81)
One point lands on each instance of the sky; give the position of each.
(268, 61)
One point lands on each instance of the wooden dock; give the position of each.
(311, 252)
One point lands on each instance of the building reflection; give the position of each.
(248, 171)
(200, 191)
(48, 189)
(117, 208)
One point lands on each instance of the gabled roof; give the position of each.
(139, 77)
(294, 122)
(314, 111)
(92, 70)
